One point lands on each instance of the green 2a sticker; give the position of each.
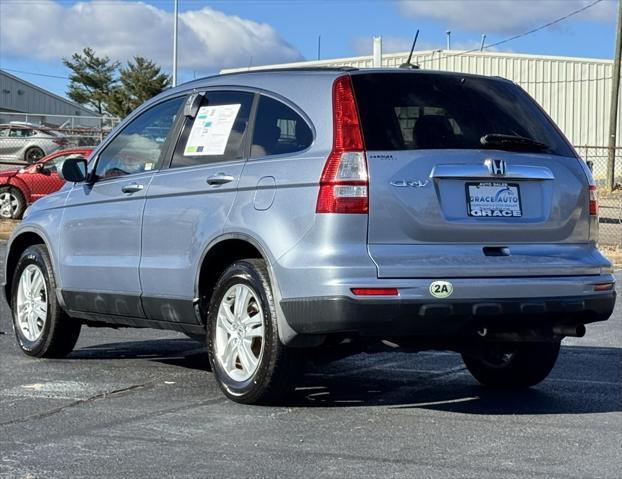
(441, 289)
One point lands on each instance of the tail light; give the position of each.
(593, 201)
(344, 181)
(60, 141)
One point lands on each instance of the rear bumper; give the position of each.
(402, 317)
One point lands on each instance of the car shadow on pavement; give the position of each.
(585, 380)
(182, 352)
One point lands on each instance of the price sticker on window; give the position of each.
(211, 130)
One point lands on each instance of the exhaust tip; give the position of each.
(576, 331)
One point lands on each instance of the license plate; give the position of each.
(493, 200)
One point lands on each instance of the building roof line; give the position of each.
(46, 92)
(444, 55)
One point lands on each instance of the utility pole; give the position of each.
(319, 46)
(448, 33)
(175, 14)
(615, 100)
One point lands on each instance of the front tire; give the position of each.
(42, 328)
(12, 203)
(520, 366)
(249, 362)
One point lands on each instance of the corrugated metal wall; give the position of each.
(574, 91)
(19, 95)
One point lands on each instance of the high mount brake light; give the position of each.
(344, 186)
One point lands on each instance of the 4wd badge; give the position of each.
(441, 289)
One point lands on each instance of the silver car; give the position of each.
(23, 142)
(278, 212)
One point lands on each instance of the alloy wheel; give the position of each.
(239, 340)
(32, 303)
(8, 204)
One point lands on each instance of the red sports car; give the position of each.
(19, 188)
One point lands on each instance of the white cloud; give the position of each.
(503, 16)
(208, 39)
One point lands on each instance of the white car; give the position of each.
(27, 142)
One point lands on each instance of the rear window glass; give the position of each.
(428, 111)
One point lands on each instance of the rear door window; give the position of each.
(218, 131)
(438, 111)
(278, 130)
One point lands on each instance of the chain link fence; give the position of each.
(610, 202)
(26, 138)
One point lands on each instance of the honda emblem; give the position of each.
(496, 167)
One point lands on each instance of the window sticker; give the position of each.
(211, 129)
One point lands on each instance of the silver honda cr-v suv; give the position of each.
(272, 213)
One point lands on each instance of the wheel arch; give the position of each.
(17, 245)
(222, 252)
(22, 186)
(219, 254)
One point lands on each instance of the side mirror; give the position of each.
(72, 169)
(41, 168)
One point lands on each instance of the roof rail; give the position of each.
(284, 69)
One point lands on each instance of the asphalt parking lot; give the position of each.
(141, 403)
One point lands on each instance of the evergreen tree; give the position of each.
(92, 78)
(139, 81)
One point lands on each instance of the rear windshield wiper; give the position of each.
(512, 142)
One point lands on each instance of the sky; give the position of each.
(36, 34)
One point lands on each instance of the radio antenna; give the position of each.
(410, 55)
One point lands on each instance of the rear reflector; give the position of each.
(375, 291)
(593, 201)
(344, 182)
(603, 287)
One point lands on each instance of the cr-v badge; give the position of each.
(409, 183)
(441, 289)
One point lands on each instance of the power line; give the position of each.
(34, 73)
(520, 35)
(574, 80)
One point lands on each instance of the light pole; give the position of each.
(175, 44)
(615, 99)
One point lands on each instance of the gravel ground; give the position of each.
(141, 403)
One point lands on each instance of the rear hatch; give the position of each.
(469, 178)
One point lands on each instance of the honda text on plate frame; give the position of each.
(270, 212)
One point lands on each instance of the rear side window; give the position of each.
(217, 132)
(278, 130)
(429, 111)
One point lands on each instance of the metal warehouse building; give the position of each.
(574, 91)
(20, 96)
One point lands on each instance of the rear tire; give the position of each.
(42, 328)
(513, 367)
(249, 362)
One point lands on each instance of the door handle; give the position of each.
(220, 179)
(132, 188)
